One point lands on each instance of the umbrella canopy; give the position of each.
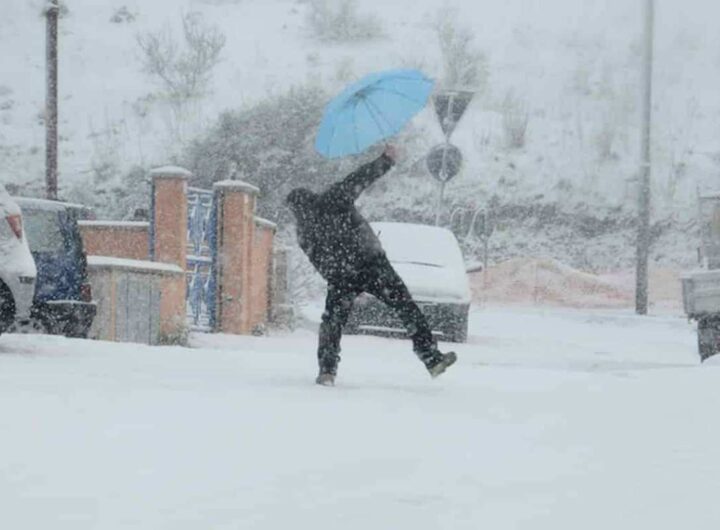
(371, 110)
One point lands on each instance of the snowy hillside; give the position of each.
(571, 67)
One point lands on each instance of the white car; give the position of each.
(17, 267)
(429, 261)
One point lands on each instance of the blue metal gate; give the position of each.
(201, 259)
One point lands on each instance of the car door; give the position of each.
(56, 252)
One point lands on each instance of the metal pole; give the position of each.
(51, 101)
(643, 237)
(443, 171)
(486, 244)
(439, 206)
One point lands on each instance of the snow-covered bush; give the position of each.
(117, 198)
(269, 145)
(340, 21)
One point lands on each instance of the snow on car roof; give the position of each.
(79, 210)
(421, 244)
(45, 204)
(7, 204)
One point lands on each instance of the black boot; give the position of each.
(328, 370)
(325, 379)
(439, 362)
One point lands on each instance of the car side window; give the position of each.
(70, 233)
(43, 230)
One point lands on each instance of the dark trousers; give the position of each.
(380, 280)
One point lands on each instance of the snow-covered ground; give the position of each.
(551, 419)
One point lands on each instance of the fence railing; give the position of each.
(200, 259)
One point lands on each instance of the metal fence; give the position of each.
(201, 258)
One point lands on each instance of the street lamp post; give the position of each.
(51, 101)
(643, 237)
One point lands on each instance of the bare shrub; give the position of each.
(123, 15)
(464, 65)
(605, 137)
(340, 21)
(183, 73)
(515, 120)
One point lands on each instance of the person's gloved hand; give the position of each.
(391, 152)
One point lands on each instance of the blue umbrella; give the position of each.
(373, 109)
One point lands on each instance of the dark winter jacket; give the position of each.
(330, 230)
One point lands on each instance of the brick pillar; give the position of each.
(169, 230)
(262, 273)
(168, 244)
(235, 240)
(281, 308)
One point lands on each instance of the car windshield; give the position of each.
(43, 230)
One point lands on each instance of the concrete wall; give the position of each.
(137, 301)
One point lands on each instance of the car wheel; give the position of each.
(457, 335)
(459, 331)
(76, 332)
(29, 327)
(351, 328)
(7, 308)
(708, 335)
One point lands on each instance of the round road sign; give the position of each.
(444, 161)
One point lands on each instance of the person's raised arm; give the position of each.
(349, 189)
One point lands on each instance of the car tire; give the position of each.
(7, 308)
(459, 331)
(708, 332)
(351, 329)
(32, 327)
(75, 333)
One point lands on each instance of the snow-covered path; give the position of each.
(550, 420)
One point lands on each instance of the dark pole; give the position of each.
(51, 101)
(643, 238)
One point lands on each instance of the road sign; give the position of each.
(444, 161)
(450, 106)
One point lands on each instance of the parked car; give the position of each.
(429, 261)
(17, 268)
(63, 298)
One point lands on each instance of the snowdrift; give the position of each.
(542, 281)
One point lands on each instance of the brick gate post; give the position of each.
(235, 202)
(169, 223)
(168, 244)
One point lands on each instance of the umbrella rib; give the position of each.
(355, 107)
(335, 128)
(332, 136)
(375, 110)
(402, 95)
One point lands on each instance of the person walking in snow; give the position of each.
(343, 248)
